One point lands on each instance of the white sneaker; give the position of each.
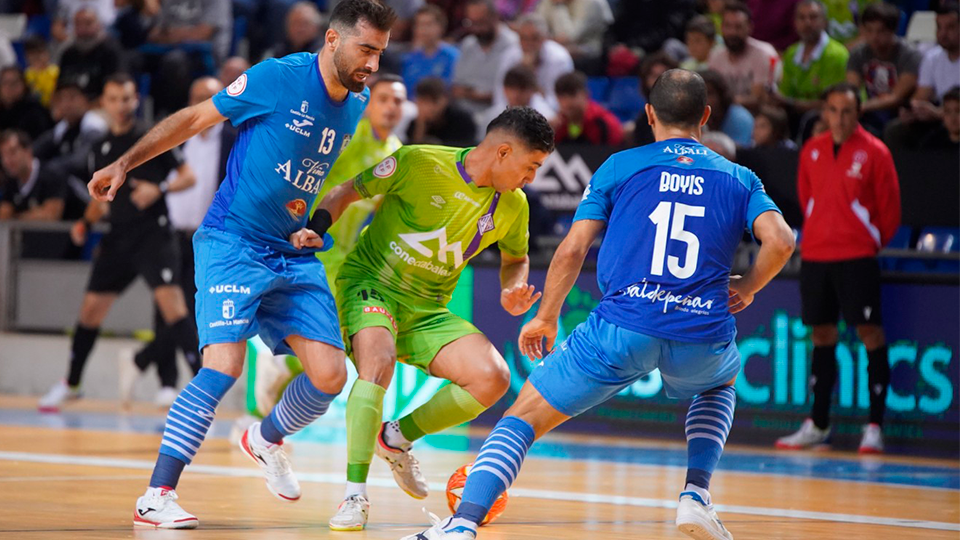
(270, 378)
(872, 441)
(127, 373)
(274, 464)
(699, 520)
(165, 397)
(158, 509)
(405, 467)
(447, 529)
(352, 514)
(808, 435)
(58, 394)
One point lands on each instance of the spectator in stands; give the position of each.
(231, 69)
(406, 11)
(135, 20)
(726, 116)
(481, 54)
(582, 120)
(41, 73)
(92, 56)
(430, 56)
(19, 109)
(843, 19)
(66, 147)
(647, 25)
(883, 65)
(578, 25)
(184, 24)
(651, 67)
(720, 143)
(440, 120)
(750, 66)
(520, 90)
(947, 136)
(31, 191)
(700, 37)
(850, 194)
(939, 72)
(771, 129)
(814, 63)
(774, 21)
(304, 31)
(63, 25)
(511, 9)
(546, 57)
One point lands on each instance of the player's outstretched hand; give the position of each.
(740, 298)
(518, 299)
(106, 182)
(532, 336)
(306, 238)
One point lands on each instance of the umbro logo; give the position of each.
(437, 201)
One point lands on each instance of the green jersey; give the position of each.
(433, 220)
(826, 67)
(363, 151)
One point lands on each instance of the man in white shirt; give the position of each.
(481, 54)
(750, 66)
(547, 58)
(519, 89)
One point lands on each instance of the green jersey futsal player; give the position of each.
(441, 206)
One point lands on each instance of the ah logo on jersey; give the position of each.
(385, 168)
(416, 240)
(297, 208)
(238, 86)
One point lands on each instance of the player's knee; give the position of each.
(496, 380)
(824, 335)
(330, 379)
(871, 335)
(376, 368)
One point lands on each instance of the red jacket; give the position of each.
(600, 127)
(851, 201)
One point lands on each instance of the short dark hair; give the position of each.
(778, 121)
(485, 3)
(348, 13)
(702, 25)
(22, 138)
(432, 88)
(952, 94)
(35, 44)
(679, 98)
(887, 14)
(526, 124)
(738, 7)
(70, 83)
(819, 3)
(16, 69)
(949, 7)
(520, 77)
(842, 88)
(571, 84)
(120, 78)
(437, 13)
(385, 78)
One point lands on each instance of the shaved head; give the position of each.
(679, 97)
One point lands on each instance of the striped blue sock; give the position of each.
(496, 467)
(301, 404)
(709, 420)
(188, 421)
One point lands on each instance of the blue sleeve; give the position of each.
(454, 55)
(759, 201)
(253, 94)
(597, 202)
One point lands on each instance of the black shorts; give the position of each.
(852, 288)
(127, 252)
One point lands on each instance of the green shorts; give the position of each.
(420, 327)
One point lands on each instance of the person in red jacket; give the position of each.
(582, 120)
(850, 196)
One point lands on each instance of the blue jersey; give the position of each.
(675, 213)
(290, 133)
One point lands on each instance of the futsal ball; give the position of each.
(455, 491)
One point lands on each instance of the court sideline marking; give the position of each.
(327, 478)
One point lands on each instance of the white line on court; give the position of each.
(596, 498)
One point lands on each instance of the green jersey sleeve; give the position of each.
(516, 242)
(384, 177)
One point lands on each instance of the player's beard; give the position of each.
(346, 75)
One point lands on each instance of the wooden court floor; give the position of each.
(59, 479)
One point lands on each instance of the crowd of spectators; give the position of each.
(766, 64)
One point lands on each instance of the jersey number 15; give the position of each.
(661, 218)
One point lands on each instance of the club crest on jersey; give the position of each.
(385, 168)
(238, 86)
(297, 208)
(304, 107)
(485, 223)
(685, 160)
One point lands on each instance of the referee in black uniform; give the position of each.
(141, 241)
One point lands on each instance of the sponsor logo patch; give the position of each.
(238, 86)
(297, 208)
(381, 311)
(385, 168)
(685, 160)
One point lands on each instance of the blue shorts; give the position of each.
(244, 289)
(599, 359)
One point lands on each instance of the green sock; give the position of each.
(364, 416)
(449, 407)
